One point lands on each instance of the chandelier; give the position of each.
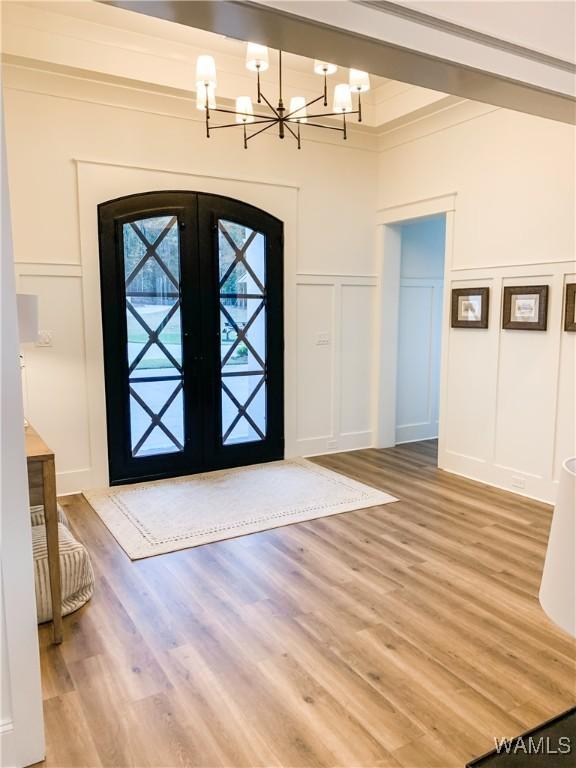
(288, 120)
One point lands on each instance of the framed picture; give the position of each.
(570, 308)
(525, 307)
(470, 307)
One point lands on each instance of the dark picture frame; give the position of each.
(529, 291)
(459, 294)
(570, 307)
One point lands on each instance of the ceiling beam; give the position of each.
(309, 37)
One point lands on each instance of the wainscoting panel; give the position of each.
(418, 377)
(526, 390)
(509, 407)
(54, 377)
(472, 367)
(356, 324)
(315, 395)
(332, 373)
(334, 360)
(565, 418)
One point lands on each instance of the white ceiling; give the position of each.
(92, 37)
(102, 14)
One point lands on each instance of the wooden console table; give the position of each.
(41, 462)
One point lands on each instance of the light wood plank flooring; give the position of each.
(403, 635)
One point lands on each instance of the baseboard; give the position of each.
(347, 441)
(417, 440)
(413, 433)
(536, 488)
(75, 481)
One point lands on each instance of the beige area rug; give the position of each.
(166, 515)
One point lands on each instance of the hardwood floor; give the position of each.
(403, 635)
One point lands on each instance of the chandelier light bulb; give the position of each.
(297, 109)
(244, 106)
(359, 81)
(324, 67)
(342, 98)
(206, 70)
(201, 90)
(257, 57)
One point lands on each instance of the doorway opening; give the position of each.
(416, 242)
(422, 246)
(192, 316)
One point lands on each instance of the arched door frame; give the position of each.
(198, 216)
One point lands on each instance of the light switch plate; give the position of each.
(44, 339)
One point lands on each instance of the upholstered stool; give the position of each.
(37, 515)
(77, 577)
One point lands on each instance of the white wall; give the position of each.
(420, 328)
(21, 724)
(105, 141)
(510, 423)
(507, 408)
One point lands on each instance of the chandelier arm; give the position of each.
(261, 130)
(243, 114)
(269, 105)
(271, 121)
(309, 104)
(329, 127)
(335, 114)
(291, 131)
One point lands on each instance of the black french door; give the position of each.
(192, 317)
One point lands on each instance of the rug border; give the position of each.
(103, 495)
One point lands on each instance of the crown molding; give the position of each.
(56, 81)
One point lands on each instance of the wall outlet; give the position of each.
(518, 481)
(332, 443)
(44, 339)
(322, 339)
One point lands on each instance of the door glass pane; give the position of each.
(154, 333)
(242, 332)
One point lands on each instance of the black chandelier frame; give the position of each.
(279, 116)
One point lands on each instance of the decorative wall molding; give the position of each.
(430, 206)
(41, 79)
(481, 357)
(189, 172)
(416, 127)
(532, 267)
(341, 348)
(532, 472)
(26, 76)
(48, 269)
(308, 278)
